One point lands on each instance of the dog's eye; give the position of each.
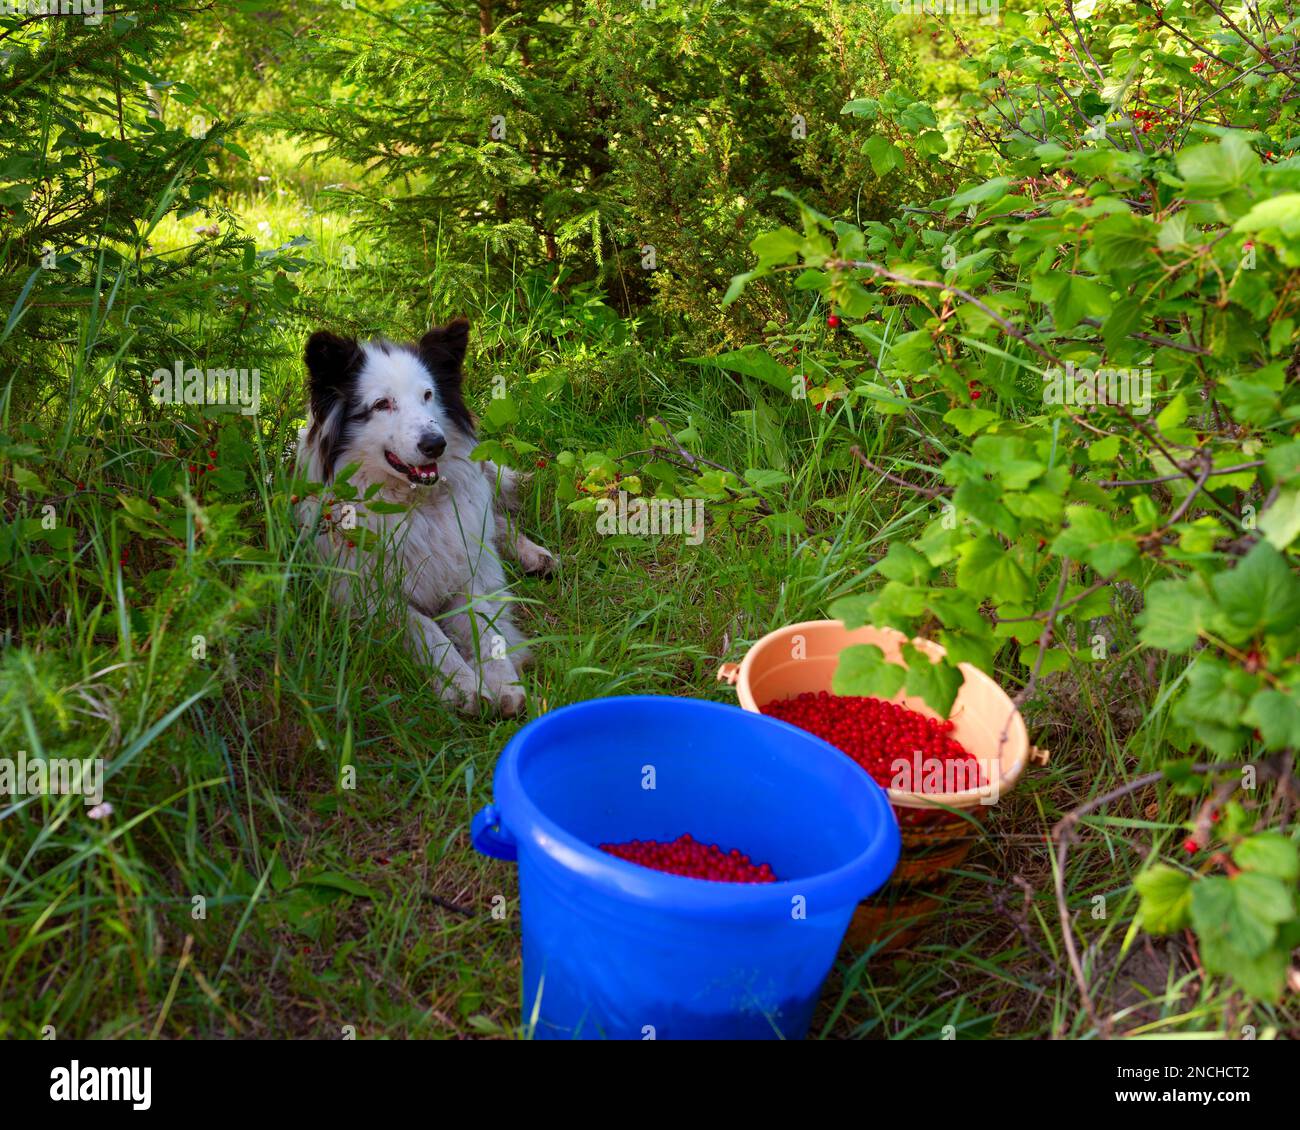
(383, 405)
(428, 394)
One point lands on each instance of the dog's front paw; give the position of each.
(465, 695)
(503, 685)
(535, 560)
(511, 701)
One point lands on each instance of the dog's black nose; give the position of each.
(432, 444)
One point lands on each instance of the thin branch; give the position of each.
(928, 492)
(1181, 474)
(1101, 584)
(1186, 504)
(1155, 339)
(1044, 642)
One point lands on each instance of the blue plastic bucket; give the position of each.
(613, 950)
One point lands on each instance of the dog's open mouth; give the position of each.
(424, 473)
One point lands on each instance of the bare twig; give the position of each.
(1181, 474)
(447, 904)
(1092, 588)
(1156, 339)
(928, 492)
(1044, 642)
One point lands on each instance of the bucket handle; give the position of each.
(729, 673)
(489, 837)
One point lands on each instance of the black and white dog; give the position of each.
(397, 411)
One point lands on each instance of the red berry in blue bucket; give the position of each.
(691, 859)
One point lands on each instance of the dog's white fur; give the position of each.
(440, 551)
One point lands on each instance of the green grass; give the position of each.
(326, 906)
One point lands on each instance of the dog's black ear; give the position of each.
(333, 364)
(442, 350)
(443, 347)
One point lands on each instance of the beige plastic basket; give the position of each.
(803, 657)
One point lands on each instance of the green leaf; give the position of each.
(1213, 692)
(864, 670)
(737, 286)
(1225, 912)
(1091, 537)
(1284, 461)
(968, 421)
(776, 247)
(1119, 323)
(1262, 977)
(982, 500)
(903, 563)
(1175, 615)
(1269, 853)
(963, 647)
(1010, 458)
(786, 523)
(988, 570)
(1280, 523)
(751, 361)
(501, 411)
(977, 194)
(897, 605)
(1173, 233)
(1037, 505)
(936, 683)
(1056, 659)
(1166, 899)
(1280, 214)
(1104, 450)
(1173, 414)
(1213, 170)
(281, 879)
(853, 611)
(762, 478)
(1276, 715)
(27, 480)
(1251, 402)
(137, 507)
(862, 108)
(491, 449)
(1261, 594)
(338, 882)
(1077, 298)
(1264, 897)
(918, 116)
(1123, 241)
(883, 154)
(1200, 536)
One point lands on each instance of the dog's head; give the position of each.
(394, 409)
